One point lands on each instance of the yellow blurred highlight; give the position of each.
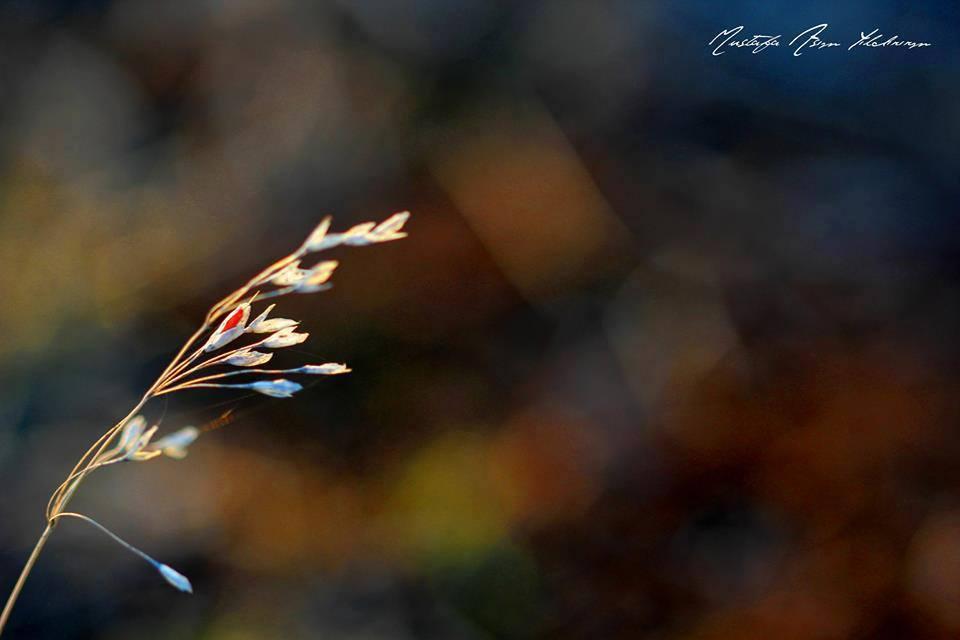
(443, 503)
(101, 256)
(456, 497)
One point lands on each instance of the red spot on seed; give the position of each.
(233, 320)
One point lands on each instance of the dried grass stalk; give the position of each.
(226, 324)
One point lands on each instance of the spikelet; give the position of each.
(226, 322)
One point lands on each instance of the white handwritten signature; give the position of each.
(811, 39)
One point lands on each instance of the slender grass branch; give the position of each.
(135, 442)
(22, 579)
(115, 537)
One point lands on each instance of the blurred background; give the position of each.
(671, 350)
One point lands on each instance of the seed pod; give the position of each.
(327, 369)
(315, 240)
(175, 444)
(230, 329)
(248, 358)
(279, 388)
(175, 578)
(284, 338)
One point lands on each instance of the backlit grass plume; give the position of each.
(228, 351)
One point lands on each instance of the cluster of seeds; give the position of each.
(220, 359)
(284, 277)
